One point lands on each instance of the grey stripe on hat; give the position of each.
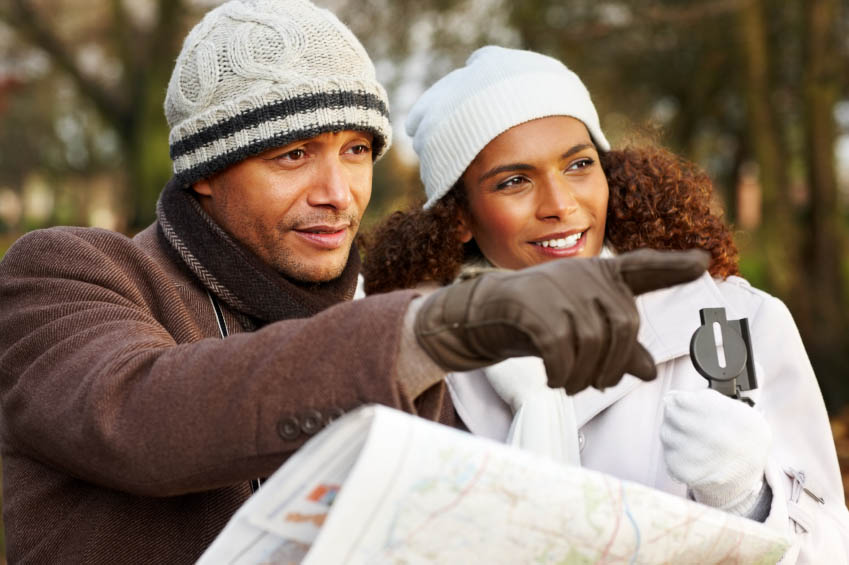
(306, 103)
(213, 161)
(320, 120)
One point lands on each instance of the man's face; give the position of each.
(297, 207)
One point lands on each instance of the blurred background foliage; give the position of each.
(755, 91)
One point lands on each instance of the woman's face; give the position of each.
(536, 192)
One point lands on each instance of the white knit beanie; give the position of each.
(497, 89)
(257, 74)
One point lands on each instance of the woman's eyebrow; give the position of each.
(576, 148)
(525, 167)
(505, 168)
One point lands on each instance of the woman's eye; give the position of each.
(580, 164)
(511, 182)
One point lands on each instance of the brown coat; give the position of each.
(130, 430)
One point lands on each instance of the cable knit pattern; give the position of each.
(257, 74)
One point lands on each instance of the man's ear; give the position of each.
(202, 187)
(464, 227)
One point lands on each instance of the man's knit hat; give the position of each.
(497, 89)
(257, 74)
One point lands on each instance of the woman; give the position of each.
(517, 171)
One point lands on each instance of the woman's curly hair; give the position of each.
(657, 200)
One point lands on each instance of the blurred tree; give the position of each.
(765, 94)
(735, 85)
(726, 83)
(395, 186)
(119, 57)
(825, 233)
(777, 241)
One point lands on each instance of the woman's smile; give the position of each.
(536, 192)
(561, 245)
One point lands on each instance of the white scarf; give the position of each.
(543, 418)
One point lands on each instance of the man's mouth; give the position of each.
(323, 229)
(324, 236)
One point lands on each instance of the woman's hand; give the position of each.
(717, 446)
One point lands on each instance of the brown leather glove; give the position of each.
(579, 315)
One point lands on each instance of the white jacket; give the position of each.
(618, 429)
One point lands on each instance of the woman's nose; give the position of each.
(556, 199)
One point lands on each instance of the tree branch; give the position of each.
(26, 20)
(694, 13)
(169, 19)
(653, 14)
(124, 36)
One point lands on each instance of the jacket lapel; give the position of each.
(668, 319)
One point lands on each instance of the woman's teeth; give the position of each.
(562, 242)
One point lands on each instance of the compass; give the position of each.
(721, 351)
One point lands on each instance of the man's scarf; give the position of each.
(234, 274)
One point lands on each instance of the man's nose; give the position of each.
(332, 186)
(556, 199)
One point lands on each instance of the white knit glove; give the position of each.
(717, 446)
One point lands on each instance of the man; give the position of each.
(131, 429)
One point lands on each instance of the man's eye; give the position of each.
(293, 155)
(360, 149)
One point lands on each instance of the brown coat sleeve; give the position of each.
(104, 374)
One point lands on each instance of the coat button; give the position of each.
(288, 428)
(582, 441)
(333, 414)
(311, 422)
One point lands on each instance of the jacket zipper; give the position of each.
(222, 329)
(799, 486)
